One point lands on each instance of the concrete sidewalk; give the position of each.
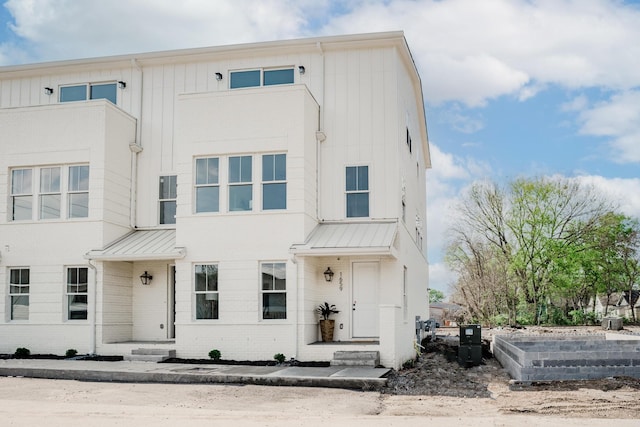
(133, 371)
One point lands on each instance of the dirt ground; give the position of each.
(436, 392)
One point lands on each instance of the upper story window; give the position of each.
(265, 77)
(21, 194)
(78, 191)
(207, 185)
(240, 183)
(274, 181)
(167, 197)
(50, 195)
(357, 190)
(88, 91)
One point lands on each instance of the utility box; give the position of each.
(612, 323)
(470, 350)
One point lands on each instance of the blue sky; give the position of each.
(512, 87)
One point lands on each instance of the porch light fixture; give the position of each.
(122, 85)
(218, 76)
(328, 274)
(301, 69)
(48, 91)
(145, 278)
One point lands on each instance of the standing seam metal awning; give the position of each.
(141, 245)
(349, 238)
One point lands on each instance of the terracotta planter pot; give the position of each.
(326, 329)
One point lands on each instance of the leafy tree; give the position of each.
(435, 296)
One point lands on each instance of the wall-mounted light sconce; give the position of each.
(145, 278)
(218, 76)
(301, 69)
(122, 85)
(48, 91)
(328, 274)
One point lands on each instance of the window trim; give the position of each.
(87, 92)
(13, 195)
(206, 184)
(215, 292)
(79, 191)
(240, 183)
(173, 188)
(274, 180)
(69, 294)
(262, 72)
(366, 191)
(22, 286)
(43, 193)
(272, 291)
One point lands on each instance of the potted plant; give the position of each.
(326, 325)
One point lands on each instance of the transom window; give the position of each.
(274, 290)
(167, 194)
(207, 185)
(274, 181)
(267, 77)
(206, 291)
(357, 191)
(83, 92)
(19, 293)
(77, 295)
(240, 183)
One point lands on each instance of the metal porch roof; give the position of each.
(140, 245)
(349, 238)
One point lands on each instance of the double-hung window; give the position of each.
(50, 196)
(357, 190)
(206, 291)
(274, 290)
(21, 194)
(207, 185)
(274, 181)
(77, 295)
(240, 183)
(78, 206)
(83, 92)
(19, 293)
(167, 196)
(264, 77)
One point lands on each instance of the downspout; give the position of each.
(94, 310)
(135, 147)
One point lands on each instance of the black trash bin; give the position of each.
(470, 350)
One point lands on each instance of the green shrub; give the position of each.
(409, 364)
(499, 320)
(72, 352)
(22, 352)
(279, 357)
(215, 354)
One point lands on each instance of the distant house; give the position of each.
(445, 313)
(604, 306)
(193, 199)
(627, 302)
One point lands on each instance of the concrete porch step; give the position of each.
(150, 354)
(356, 358)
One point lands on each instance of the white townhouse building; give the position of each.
(194, 199)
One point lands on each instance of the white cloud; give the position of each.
(624, 192)
(579, 103)
(441, 278)
(618, 119)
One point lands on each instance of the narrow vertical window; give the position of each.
(21, 194)
(77, 295)
(240, 183)
(274, 290)
(207, 185)
(167, 195)
(357, 189)
(78, 192)
(274, 181)
(50, 197)
(206, 291)
(19, 293)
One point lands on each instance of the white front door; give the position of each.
(365, 301)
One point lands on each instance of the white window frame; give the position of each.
(266, 182)
(49, 191)
(21, 193)
(358, 191)
(263, 292)
(88, 87)
(69, 292)
(16, 290)
(77, 191)
(205, 184)
(212, 295)
(240, 183)
(262, 71)
(173, 191)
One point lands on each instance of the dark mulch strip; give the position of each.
(245, 362)
(97, 358)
